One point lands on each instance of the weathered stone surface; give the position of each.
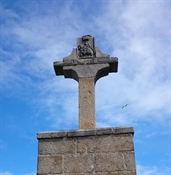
(86, 145)
(82, 145)
(86, 47)
(49, 164)
(77, 173)
(100, 173)
(104, 131)
(86, 103)
(86, 64)
(91, 144)
(95, 71)
(81, 133)
(129, 160)
(117, 173)
(50, 134)
(58, 146)
(114, 143)
(92, 151)
(80, 163)
(122, 130)
(108, 162)
(85, 132)
(122, 173)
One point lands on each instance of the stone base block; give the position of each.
(107, 151)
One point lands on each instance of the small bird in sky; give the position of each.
(125, 106)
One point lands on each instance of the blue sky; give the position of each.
(35, 33)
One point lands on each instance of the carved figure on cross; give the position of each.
(86, 64)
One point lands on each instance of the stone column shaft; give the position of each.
(87, 103)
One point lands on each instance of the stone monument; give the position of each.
(103, 151)
(86, 64)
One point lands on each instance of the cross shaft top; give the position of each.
(86, 64)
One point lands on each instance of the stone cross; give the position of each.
(86, 64)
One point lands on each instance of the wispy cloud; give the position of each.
(143, 77)
(9, 173)
(33, 173)
(35, 34)
(5, 173)
(132, 32)
(147, 170)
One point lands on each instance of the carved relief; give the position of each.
(86, 47)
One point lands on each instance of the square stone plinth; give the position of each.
(108, 151)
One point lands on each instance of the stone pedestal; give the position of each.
(107, 151)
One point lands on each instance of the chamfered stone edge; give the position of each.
(85, 132)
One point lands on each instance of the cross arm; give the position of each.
(67, 67)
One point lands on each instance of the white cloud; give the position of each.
(142, 79)
(147, 170)
(132, 32)
(6, 173)
(137, 32)
(33, 173)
